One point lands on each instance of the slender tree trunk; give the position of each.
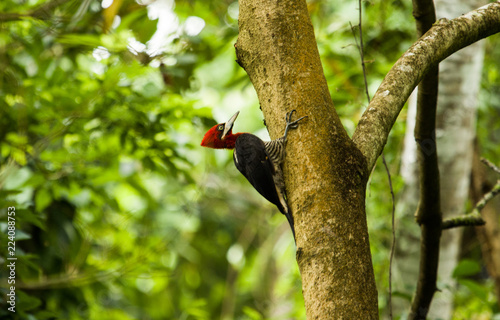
(456, 129)
(459, 81)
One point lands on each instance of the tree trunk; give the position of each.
(459, 81)
(325, 173)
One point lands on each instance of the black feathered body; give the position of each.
(260, 163)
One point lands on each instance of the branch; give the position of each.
(487, 197)
(491, 165)
(428, 213)
(443, 39)
(474, 218)
(466, 220)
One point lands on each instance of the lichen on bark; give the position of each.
(325, 171)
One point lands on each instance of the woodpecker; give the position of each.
(259, 161)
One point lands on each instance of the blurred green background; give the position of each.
(120, 214)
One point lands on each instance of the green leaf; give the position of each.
(402, 295)
(26, 302)
(466, 268)
(252, 313)
(27, 216)
(80, 39)
(21, 235)
(43, 198)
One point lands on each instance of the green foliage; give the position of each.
(118, 209)
(466, 268)
(475, 297)
(116, 212)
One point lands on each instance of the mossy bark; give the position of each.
(324, 171)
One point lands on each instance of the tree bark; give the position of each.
(325, 172)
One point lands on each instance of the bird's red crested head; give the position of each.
(221, 136)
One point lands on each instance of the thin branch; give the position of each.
(444, 38)
(466, 220)
(491, 165)
(361, 50)
(474, 217)
(393, 227)
(487, 197)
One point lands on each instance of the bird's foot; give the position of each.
(291, 124)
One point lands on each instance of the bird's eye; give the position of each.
(220, 127)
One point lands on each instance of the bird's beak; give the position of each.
(229, 125)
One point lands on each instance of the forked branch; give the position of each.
(443, 39)
(474, 217)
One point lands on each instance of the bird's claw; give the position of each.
(289, 115)
(291, 124)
